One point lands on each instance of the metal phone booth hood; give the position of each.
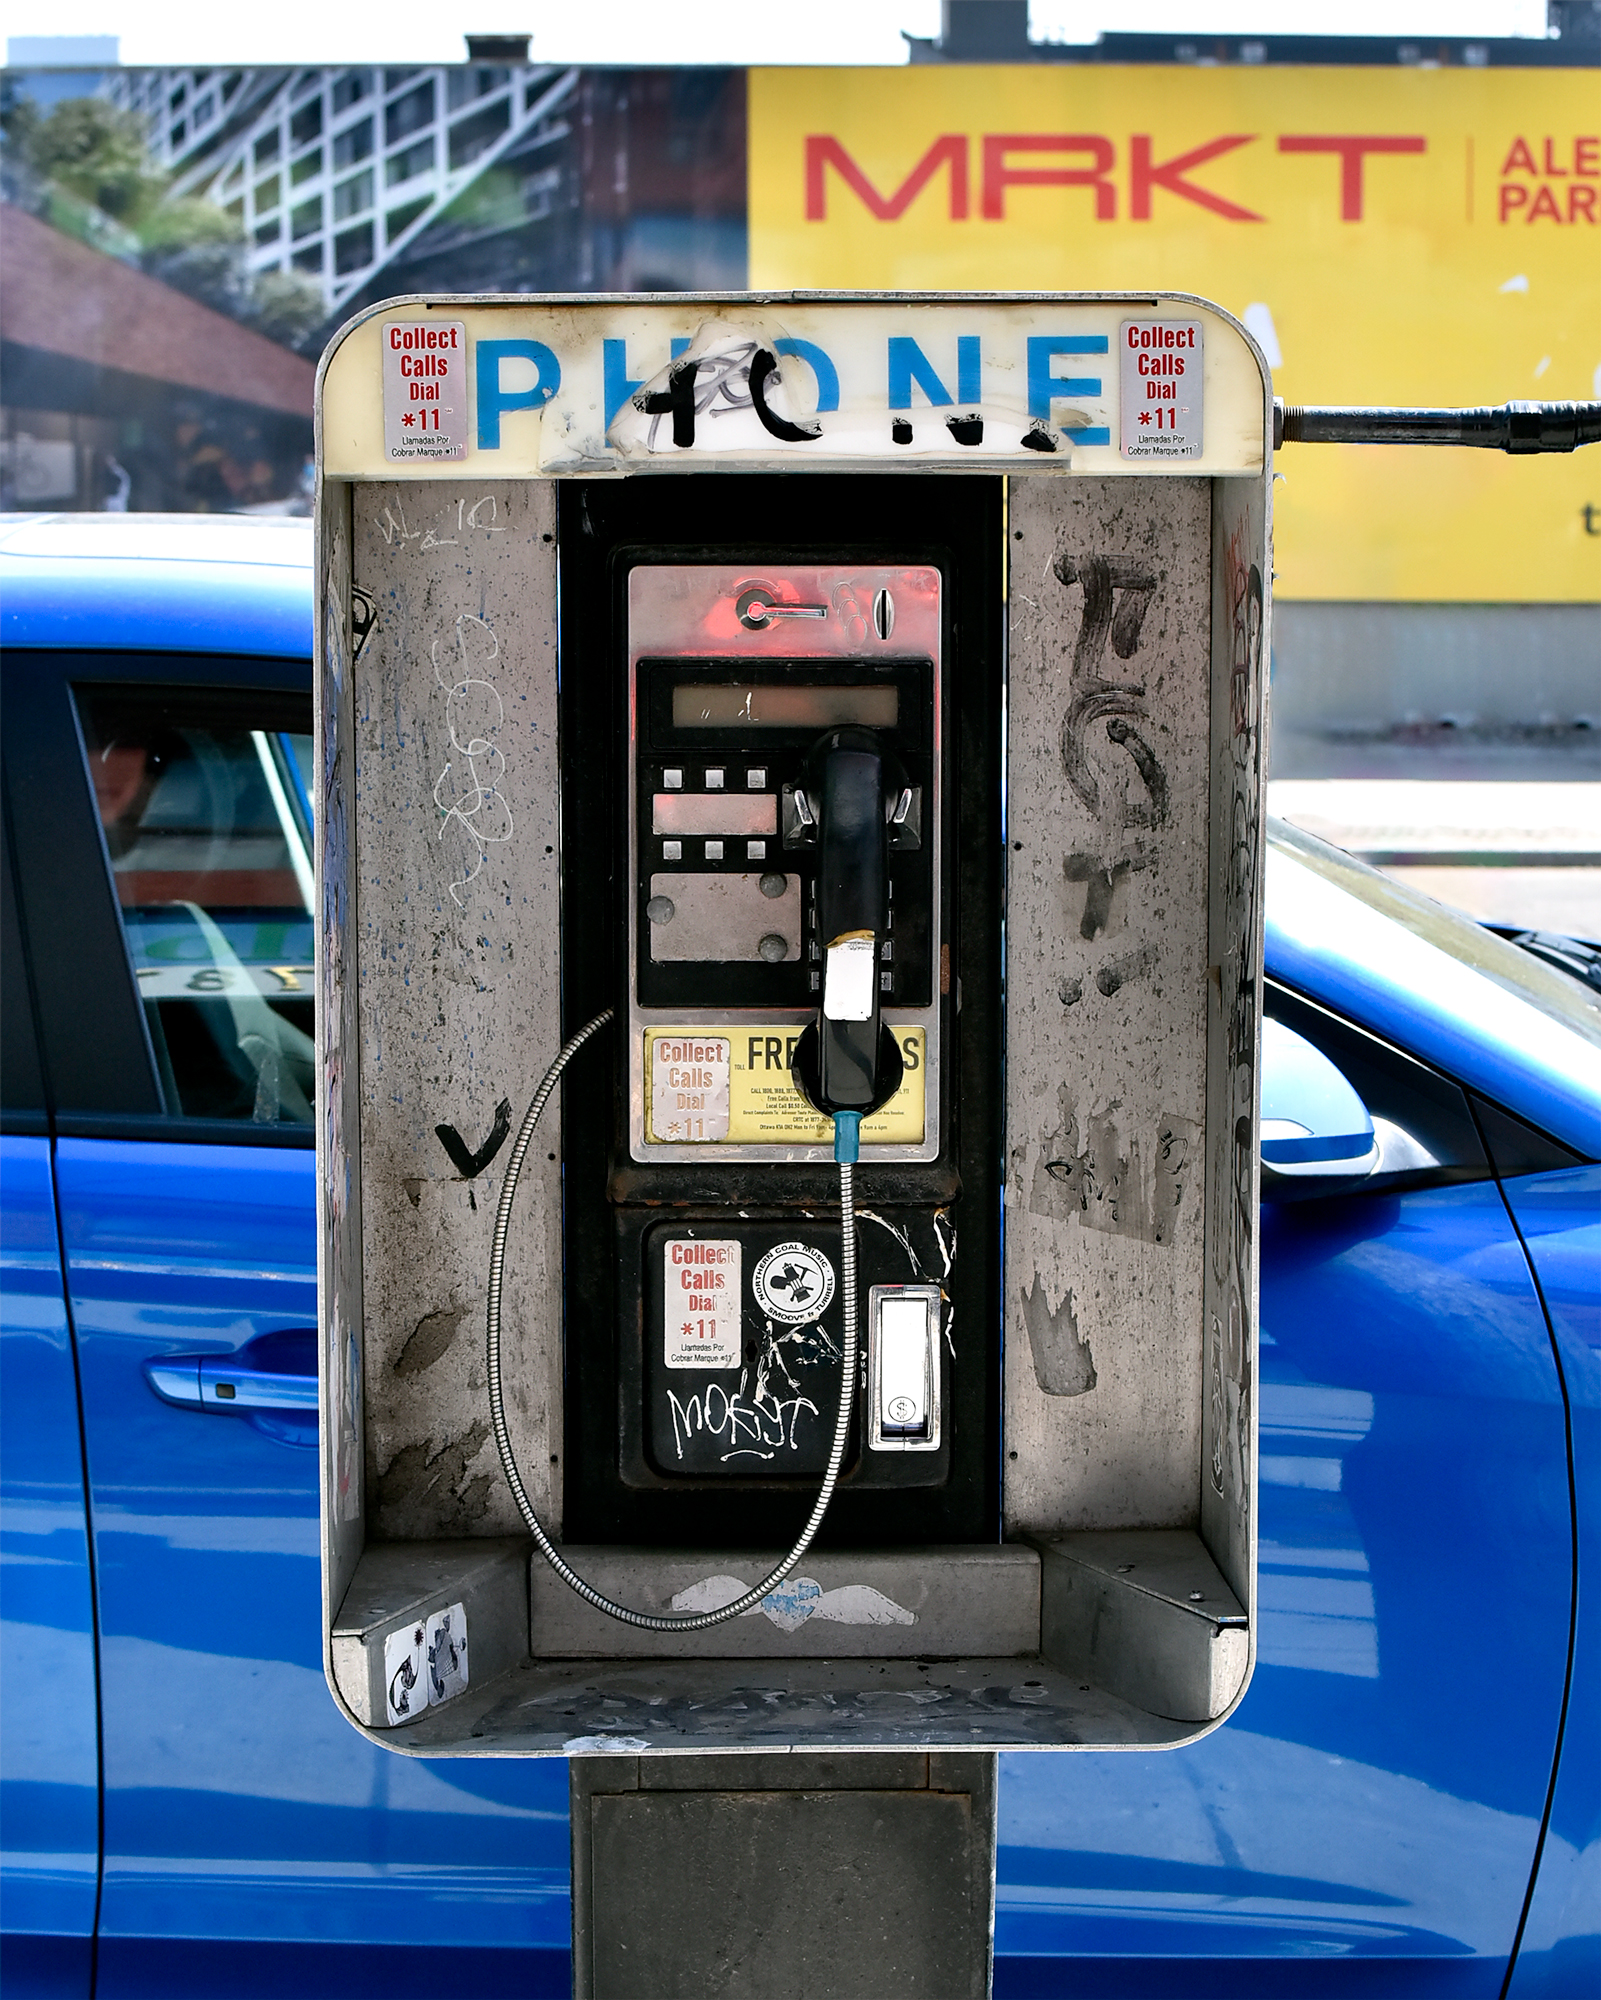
(631, 613)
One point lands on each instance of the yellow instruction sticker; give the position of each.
(765, 1108)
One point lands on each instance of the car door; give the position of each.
(1368, 1819)
(1558, 1215)
(253, 1842)
(49, 1723)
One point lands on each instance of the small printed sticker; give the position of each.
(425, 389)
(689, 1089)
(405, 1680)
(1161, 378)
(447, 1653)
(793, 1283)
(701, 1303)
(850, 972)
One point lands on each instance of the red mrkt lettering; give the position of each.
(1086, 160)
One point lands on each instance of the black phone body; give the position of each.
(702, 681)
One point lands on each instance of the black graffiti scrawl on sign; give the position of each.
(1102, 707)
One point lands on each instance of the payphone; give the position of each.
(784, 871)
(869, 865)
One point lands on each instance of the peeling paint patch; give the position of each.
(422, 1495)
(1132, 1184)
(1063, 1363)
(429, 1339)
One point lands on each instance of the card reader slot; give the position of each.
(737, 814)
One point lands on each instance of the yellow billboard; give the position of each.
(1391, 236)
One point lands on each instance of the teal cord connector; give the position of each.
(847, 1137)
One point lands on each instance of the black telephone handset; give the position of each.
(846, 1059)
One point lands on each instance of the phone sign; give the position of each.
(425, 389)
(1161, 376)
(701, 1302)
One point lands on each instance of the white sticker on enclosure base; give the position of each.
(405, 1677)
(447, 1653)
(689, 1077)
(701, 1303)
(425, 389)
(1161, 378)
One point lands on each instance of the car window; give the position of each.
(1425, 1132)
(203, 803)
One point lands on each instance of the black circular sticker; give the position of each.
(793, 1282)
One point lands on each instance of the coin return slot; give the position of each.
(903, 1367)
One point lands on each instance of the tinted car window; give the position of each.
(203, 803)
(1426, 1133)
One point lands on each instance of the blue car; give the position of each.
(1408, 1799)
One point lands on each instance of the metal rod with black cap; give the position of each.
(1519, 428)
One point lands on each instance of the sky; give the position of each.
(182, 32)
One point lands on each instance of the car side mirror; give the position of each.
(1317, 1135)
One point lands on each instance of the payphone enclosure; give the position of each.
(687, 665)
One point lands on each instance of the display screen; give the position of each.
(709, 705)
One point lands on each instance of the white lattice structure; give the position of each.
(334, 172)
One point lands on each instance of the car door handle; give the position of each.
(219, 1382)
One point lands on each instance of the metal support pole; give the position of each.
(1514, 427)
(784, 1877)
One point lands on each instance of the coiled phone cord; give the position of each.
(845, 1127)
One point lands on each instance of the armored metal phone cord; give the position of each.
(845, 1141)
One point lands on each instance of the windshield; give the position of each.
(1486, 1012)
(1557, 993)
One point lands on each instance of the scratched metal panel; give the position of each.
(1241, 594)
(338, 1132)
(456, 832)
(1107, 771)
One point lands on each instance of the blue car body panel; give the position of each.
(239, 1804)
(49, 1757)
(1373, 1805)
(1559, 1216)
(1367, 1820)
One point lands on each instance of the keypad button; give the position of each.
(756, 850)
(672, 850)
(673, 780)
(756, 780)
(714, 850)
(714, 779)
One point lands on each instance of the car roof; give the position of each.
(190, 583)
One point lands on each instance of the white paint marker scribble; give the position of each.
(467, 790)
